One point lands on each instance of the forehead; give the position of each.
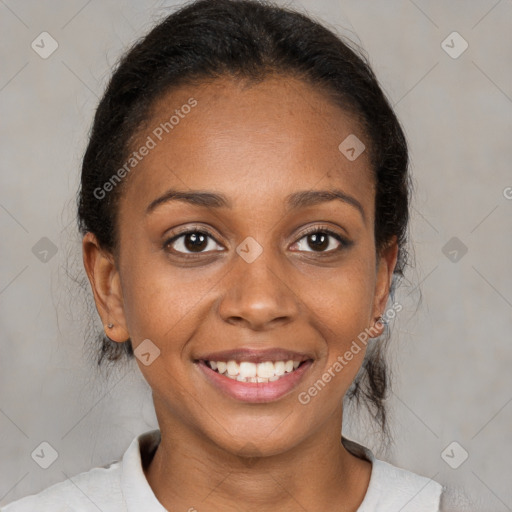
(256, 143)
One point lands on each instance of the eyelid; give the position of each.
(190, 229)
(323, 228)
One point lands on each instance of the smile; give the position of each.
(254, 375)
(247, 371)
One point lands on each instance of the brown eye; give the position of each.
(319, 241)
(191, 242)
(322, 240)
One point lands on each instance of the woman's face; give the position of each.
(248, 283)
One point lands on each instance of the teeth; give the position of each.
(233, 368)
(266, 369)
(246, 371)
(279, 368)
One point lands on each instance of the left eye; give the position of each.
(322, 240)
(192, 242)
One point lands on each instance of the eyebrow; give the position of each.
(197, 198)
(301, 199)
(307, 198)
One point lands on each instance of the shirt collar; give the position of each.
(138, 494)
(136, 490)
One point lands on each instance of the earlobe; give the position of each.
(106, 287)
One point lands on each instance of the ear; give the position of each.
(385, 266)
(106, 287)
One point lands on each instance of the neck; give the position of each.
(190, 472)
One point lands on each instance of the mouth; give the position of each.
(255, 376)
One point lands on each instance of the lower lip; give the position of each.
(255, 392)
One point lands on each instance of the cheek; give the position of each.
(164, 311)
(342, 301)
(162, 302)
(341, 308)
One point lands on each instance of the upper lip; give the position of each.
(255, 355)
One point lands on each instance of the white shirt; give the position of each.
(122, 487)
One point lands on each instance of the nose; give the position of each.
(258, 295)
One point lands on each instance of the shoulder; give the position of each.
(117, 487)
(456, 499)
(88, 491)
(394, 488)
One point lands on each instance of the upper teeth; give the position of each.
(252, 372)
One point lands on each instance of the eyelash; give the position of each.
(344, 243)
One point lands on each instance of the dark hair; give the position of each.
(248, 40)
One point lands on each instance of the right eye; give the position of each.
(193, 241)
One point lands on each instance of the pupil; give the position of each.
(319, 241)
(195, 241)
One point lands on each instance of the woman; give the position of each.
(244, 208)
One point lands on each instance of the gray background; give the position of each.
(451, 351)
